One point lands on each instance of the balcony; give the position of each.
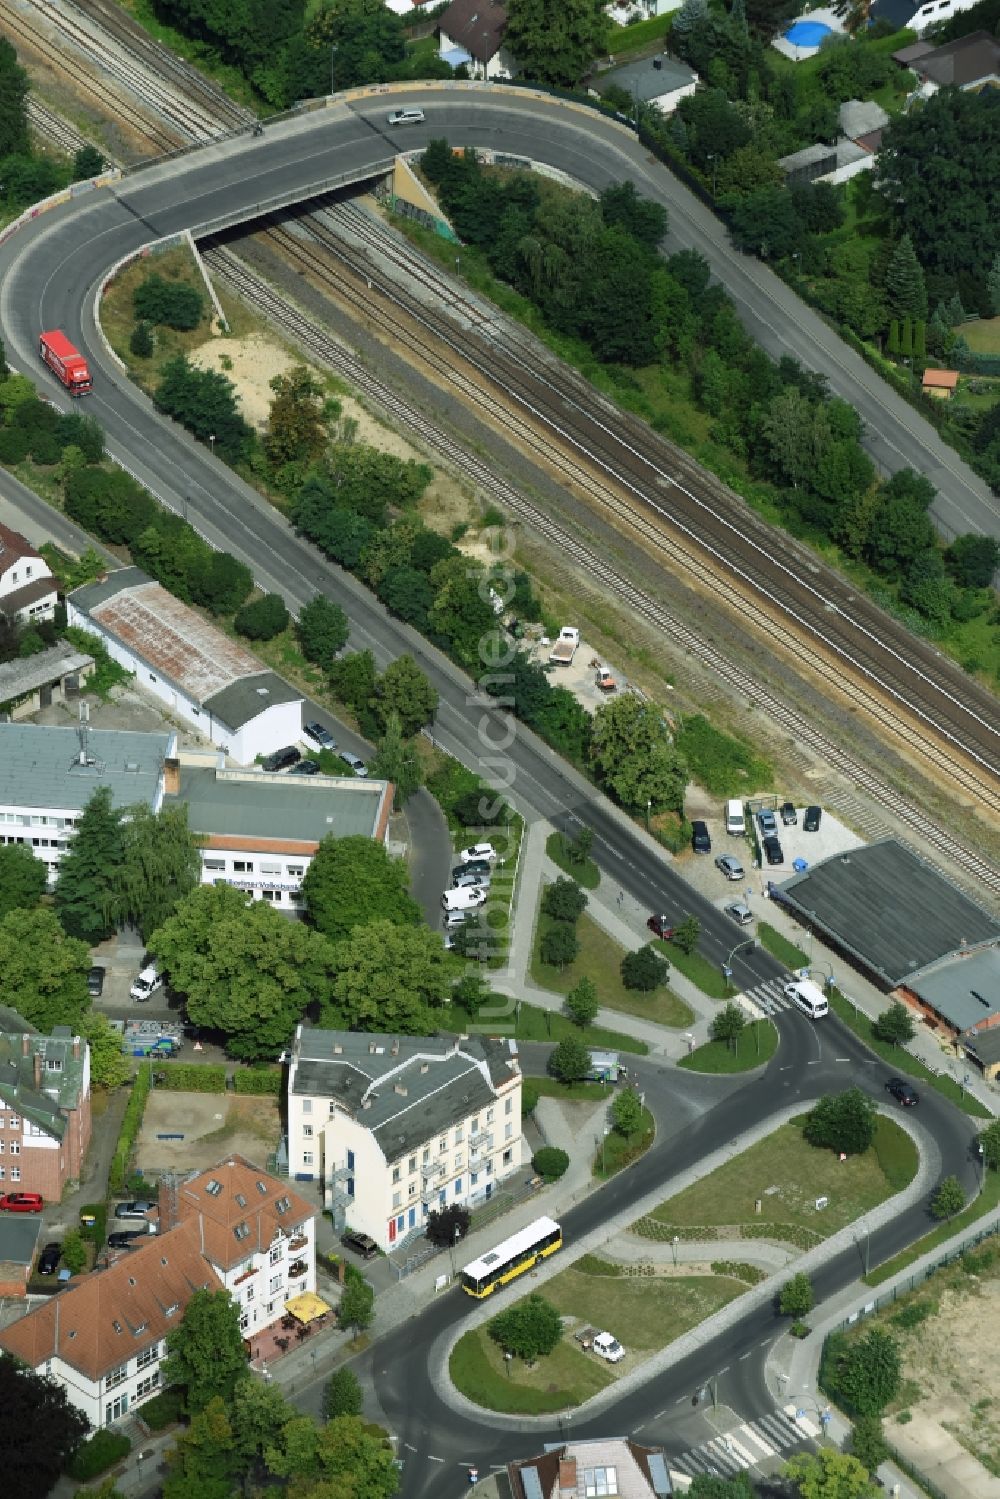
(299, 1242)
(433, 1170)
(297, 1270)
(480, 1144)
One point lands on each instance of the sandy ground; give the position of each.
(214, 1126)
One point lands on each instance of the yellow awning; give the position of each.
(306, 1307)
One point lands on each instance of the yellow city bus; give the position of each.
(511, 1258)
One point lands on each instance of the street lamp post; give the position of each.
(451, 1248)
(649, 808)
(673, 1245)
(211, 439)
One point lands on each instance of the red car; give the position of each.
(21, 1202)
(659, 927)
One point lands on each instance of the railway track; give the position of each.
(767, 567)
(53, 128)
(291, 321)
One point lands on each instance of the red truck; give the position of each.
(67, 363)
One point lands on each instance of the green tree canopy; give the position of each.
(160, 865)
(205, 1353)
(244, 968)
(868, 1442)
(635, 755)
(109, 1066)
(906, 293)
(404, 689)
(949, 1198)
(22, 878)
(13, 103)
(828, 1474)
(644, 969)
(342, 1395)
(322, 630)
(40, 1430)
(356, 1307)
(570, 1061)
(43, 973)
(989, 1139)
(203, 1462)
(895, 1024)
(626, 1111)
(564, 900)
(530, 1329)
(867, 1373)
(582, 1002)
(556, 43)
(353, 881)
(262, 619)
(85, 895)
(397, 761)
(844, 1122)
(559, 945)
(296, 424)
(388, 978)
(728, 1025)
(796, 1298)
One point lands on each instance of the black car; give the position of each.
(281, 759)
(361, 1244)
(773, 852)
(125, 1240)
(812, 819)
(902, 1092)
(701, 840)
(305, 768)
(474, 866)
(49, 1258)
(95, 981)
(789, 816)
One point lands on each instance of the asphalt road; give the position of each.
(695, 1116)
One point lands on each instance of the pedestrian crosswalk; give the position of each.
(746, 1446)
(766, 998)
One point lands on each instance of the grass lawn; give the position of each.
(779, 947)
(600, 958)
(643, 1312)
(534, 1024)
(587, 874)
(698, 969)
(756, 1046)
(567, 1376)
(787, 1175)
(551, 1087)
(988, 1199)
(982, 335)
(900, 1060)
(616, 1151)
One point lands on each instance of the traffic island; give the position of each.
(753, 1047)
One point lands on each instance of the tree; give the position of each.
(22, 878)
(895, 1024)
(972, 560)
(43, 973)
(868, 1443)
(570, 1061)
(397, 761)
(205, 1353)
(560, 945)
(904, 282)
(356, 1307)
(353, 881)
(342, 1395)
(686, 934)
(828, 1474)
(579, 849)
(404, 689)
(868, 1373)
(160, 865)
(84, 896)
(141, 342)
(203, 1462)
(844, 1122)
(582, 1002)
(109, 1067)
(174, 304)
(556, 43)
(796, 1298)
(643, 219)
(296, 424)
(322, 630)
(352, 680)
(989, 1139)
(87, 162)
(205, 402)
(564, 900)
(244, 969)
(626, 1111)
(529, 1330)
(74, 1251)
(448, 1225)
(262, 619)
(949, 1198)
(13, 103)
(550, 1163)
(388, 978)
(728, 1025)
(644, 970)
(635, 755)
(40, 1431)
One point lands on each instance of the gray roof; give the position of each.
(242, 701)
(888, 909)
(644, 81)
(809, 156)
(965, 990)
(413, 1086)
(985, 1045)
(90, 595)
(18, 1237)
(253, 803)
(26, 674)
(40, 766)
(58, 1086)
(861, 117)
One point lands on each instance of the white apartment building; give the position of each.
(396, 1127)
(103, 1338)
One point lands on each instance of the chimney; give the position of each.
(337, 1049)
(37, 1067)
(567, 1475)
(25, 1047)
(76, 1048)
(366, 1103)
(424, 1067)
(657, 63)
(171, 777)
(400, 1089)
(169, 1205)
(394, 1048)
(371, 1048)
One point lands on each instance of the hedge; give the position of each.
(193, 1077)
(164, 1409)
(258, 1080)
(131, 1124)
(98, 1453)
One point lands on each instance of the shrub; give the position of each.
(97, 1454)
(131, 1124)
(644, 970)
(164, 1409)
(262, 619)
(559, 945)
(911, 1316)
(550, 1163)
(530, 1094)
(194, 1077)
(141, 342)
(13, 445)
(45, 449)
(342, 1395)
(447, 1225)
(74, 1251)
(258, 1080)
(171, 303)
(844, 1122)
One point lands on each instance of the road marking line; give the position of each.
(432, 1459)
(747, 1458)
(747, 1431)
(410, 1445)
(746, 1355)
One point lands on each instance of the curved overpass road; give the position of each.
(694, 1118)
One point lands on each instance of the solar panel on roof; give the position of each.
(531, 1483)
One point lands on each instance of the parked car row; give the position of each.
(291, 758)
(470, 884)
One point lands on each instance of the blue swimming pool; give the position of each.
(807, 33)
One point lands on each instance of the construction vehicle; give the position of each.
(565, 648)
(151, 1046)
(65, 362)
(605, 681)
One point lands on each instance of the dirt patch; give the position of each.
(210, 1125)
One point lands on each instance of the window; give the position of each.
(215, 864)
(275, 1284)
(507, 1157)
(307, 1131)
(243, 866)
(147, 1386)
(473, 1179)
(350, 1160)
(458, 1135)
(146, 1357)
(296, 871)
(307, 1158)
(13, 1121)
(412, 1190)
(15, 1148)
(15, 1173)
(508, 1131)
(250, 1294)
(413, 1164)
(115, 1408)
(425, 1158)
(397, 1198)
(508, 1107)
(3, 1173)
(458, 1186)
(395, 1174)
(474, 1127)
(442, 1146)
(598, 1483)
(270, 894)
(269, 868)
(307, 1105)
(489, 1116)
(116, 1377)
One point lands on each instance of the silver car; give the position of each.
(740, 913)
(356, 764)
(729, 866)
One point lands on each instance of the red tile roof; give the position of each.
(14, 546)
(240, 1209)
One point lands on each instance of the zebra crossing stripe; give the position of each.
(781, 1434)
(748, 1433)
(749, 1006)
(718, 1454)
(809, 1427)
(746, 1459)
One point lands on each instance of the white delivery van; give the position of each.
(808, 997)
(736, 825)
(464, 899)
(149, 980)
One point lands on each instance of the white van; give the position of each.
(807, 997)
(736, 825)
(464, 899)
(149, 980)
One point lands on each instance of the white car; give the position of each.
(463, 900)
(608, 1347)
(405, 117)
(148, 982)
(477, 851)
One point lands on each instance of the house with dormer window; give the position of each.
(28, 591)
